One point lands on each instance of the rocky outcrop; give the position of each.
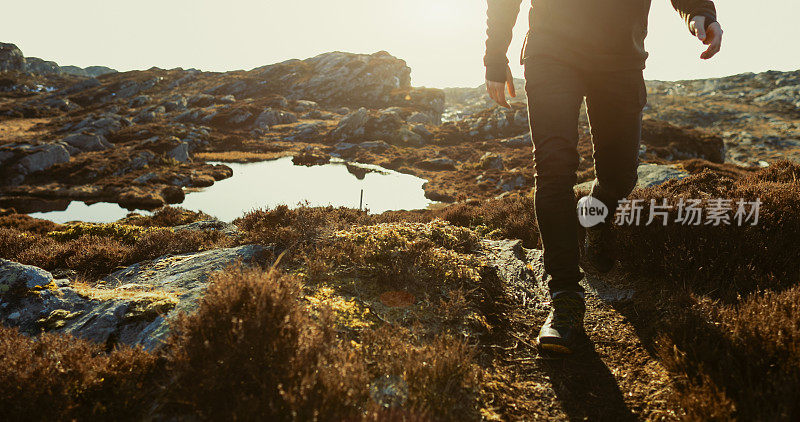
(131, 306)
(17, 161)
(11, 58)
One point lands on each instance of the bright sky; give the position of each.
(442, 40)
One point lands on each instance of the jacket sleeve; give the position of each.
(501, 17)
(688, 9)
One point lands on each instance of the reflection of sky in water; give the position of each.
(101, 212)
(270, 183)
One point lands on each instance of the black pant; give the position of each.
(614, 102)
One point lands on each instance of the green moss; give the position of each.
(122, 232)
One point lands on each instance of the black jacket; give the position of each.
(592, 34)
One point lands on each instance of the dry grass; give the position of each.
(238, 156)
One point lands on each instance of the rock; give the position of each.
(175, 102)
(442, 163)
(405, 136)
(376, 146)
(783, 96)
(338, 78)
(11, 58)
(511, 183)
(422, 131)
(419, 118)
(523, 280)
(351, 125)
(302, 106)
(201, 100)
(86, 142)
(271, 117)
(185, 273)
(90, 72)
(180, 153)
(38, 66)
(141, 100)
(138, 161)
(656, 174)
(144, 297)
(519, 141)
(16, 277)
(143, 179)
(39, 158)
(491, 161)
(306, 132)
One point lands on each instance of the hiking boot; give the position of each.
(597, 249)
(563, 331)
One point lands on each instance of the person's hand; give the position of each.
(712, 37)
(497, 90)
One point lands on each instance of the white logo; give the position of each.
(591, 211)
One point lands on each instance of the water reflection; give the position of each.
(270, 183)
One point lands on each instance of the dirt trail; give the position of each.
(616, 378)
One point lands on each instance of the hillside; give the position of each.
(340, 314)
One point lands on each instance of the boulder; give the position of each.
(132, 306)
(420, 118)
(351, 126)
(38, 66)
(441, 163)
(491, 161)
(39, 158)
(302, 106)
(180, 153)
(338, 78)
(11, 58)
(88, 142)
(510, 183)
(271, 117)
(19, 277)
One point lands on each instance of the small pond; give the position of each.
(267, 184)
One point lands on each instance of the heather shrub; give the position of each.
(252, 352)
(511, 217)
(165, 217)
(93, 256)
(726, 259)
(286, 227)
(58, 377)
(737, 361)
(26, 223)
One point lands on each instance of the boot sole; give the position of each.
(555, 348)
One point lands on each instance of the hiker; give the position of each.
(578, 49)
